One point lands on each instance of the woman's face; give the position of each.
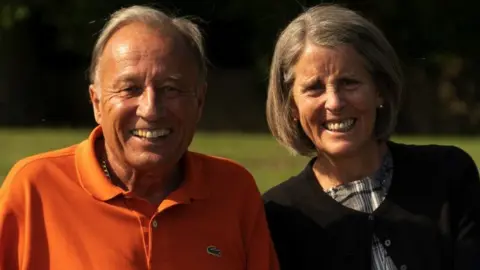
(335, 99)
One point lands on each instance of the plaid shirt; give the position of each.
(366, 195)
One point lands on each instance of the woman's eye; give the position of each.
(349, 83)
(317, 86)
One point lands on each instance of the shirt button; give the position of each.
(154, 223)
(403, 267)
(388, 243)
(371, 217)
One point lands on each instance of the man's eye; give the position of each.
(133, 89)
(173, 92)
(171, 89)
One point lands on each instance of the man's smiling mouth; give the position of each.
(151, 133)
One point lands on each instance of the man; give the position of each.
(132, 196)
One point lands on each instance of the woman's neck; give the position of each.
(332, 171)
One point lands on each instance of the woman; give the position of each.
(363, 201)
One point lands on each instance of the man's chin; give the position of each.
(149, 160)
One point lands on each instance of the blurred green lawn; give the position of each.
(260, 153)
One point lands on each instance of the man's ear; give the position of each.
(201, 94)
(95, 99)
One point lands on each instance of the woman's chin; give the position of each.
(339, 148)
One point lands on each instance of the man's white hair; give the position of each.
(156, 19)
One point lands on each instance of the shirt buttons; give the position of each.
(388, 243)
(154, 223)
(403, 267)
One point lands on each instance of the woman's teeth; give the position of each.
(340, 126)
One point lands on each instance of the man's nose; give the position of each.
(151, 104)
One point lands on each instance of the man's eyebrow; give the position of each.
(125, 77)
(131, 77)
(173, 77)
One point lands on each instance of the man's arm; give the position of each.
(261, 254)
(12, 219)
(9, 238)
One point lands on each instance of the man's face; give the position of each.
(147, 96)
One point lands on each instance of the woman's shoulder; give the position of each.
(281, 193)
(440, 156)
(287, 190)
(285, 204)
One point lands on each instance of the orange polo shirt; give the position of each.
(59, 211)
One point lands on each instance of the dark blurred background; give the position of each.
(45, 48)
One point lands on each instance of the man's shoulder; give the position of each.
(224, 173)
(37, 166)
(36, 161)
(220, 165)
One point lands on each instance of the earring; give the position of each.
(381, 106)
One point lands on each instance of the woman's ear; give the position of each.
(379, 102)
(294, 110)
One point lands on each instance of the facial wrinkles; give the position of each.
(138, 57)
(152, 73)
(144, 64)
(332, 70)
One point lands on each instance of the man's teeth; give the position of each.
(341, 126)
(151, 133)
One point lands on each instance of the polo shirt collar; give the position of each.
(93, 179)
(90, 174)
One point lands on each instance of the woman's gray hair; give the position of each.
(330, 26)
(156, 19)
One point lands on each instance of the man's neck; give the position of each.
(334, 171)
(153, 185)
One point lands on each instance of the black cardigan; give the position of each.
(429, 220)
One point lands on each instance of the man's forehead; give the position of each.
(134, 48)
(137, 41)
(140, 39)
(126, 52)
(143, 36)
